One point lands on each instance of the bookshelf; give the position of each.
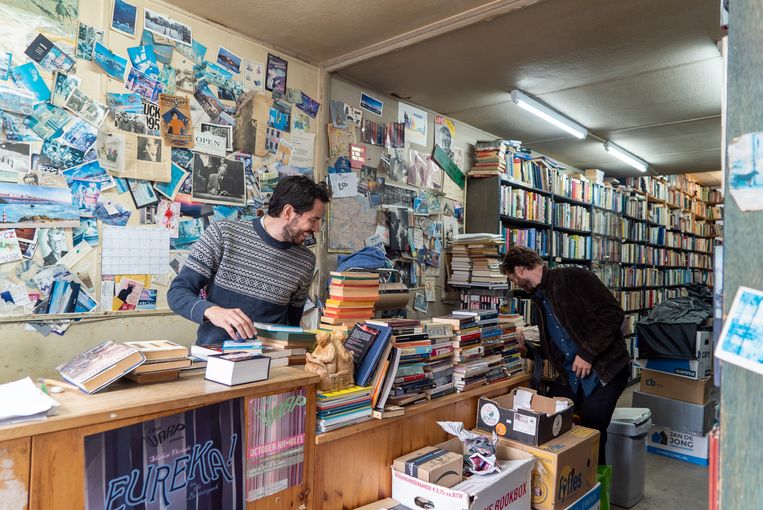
(646, 239)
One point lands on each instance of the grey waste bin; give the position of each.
(626, 452)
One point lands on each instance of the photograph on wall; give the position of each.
(745, 178)
(15, 156)
(110, 148)
(168, 216)
(275, 443)
(81, 135)
(111, 63)
(398, 230)
(741, 340)
(252, 75)
(415, 120)
(164, 26)
(87, 36)
(60, 155)
(50, 57)
(444, 134)
(308, 105)
(144, 60)
(86, 108)
(27, 77)
(52, 245)
(371, 104)
(85, 195)
(146, 158)
(275, 77)
(185, 79)
(136, 123)
(189, 231)
(147, 87)
(228, 60)
(142, 192)
(353, 116)
(218, 180)
(170, 189)
(176, 125)
(87, 231)
(127, 294)
(63, 84)
(219, 130)
(123, 18)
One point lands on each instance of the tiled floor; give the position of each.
(670, 484)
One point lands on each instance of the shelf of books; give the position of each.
(646, 239)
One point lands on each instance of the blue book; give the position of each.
(365, 371)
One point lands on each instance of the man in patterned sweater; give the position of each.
(252, 271)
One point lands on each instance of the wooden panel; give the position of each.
(14, 473)
(483, 196)
(58, 460)
(126, 400)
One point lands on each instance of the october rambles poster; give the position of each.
(184, 461)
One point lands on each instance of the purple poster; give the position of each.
(276, 443)
(185, 461)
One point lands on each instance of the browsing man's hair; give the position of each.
(519, 256)
(298, 191)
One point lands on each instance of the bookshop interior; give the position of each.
(462, 255)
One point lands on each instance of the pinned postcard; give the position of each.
(28, 78)
(229, 60)
(168, 216)
(177, 129)
(344, 185)
(415, 120)
(284, 152)
(123, 18)
(85, 107)
(336, 110)
(353, 116)
(741, 340)
(275, 76)
(164, 26)
(210, 144)
(745, 180)
(15, 156)
(9, 247)
(111, 63)
(87, 36)
(177, 178)
(371, 104)
(142, 84)
(13, 101)
(48, 55)
(308, 105)
(252, 76)
(63, 84)
(144, 60)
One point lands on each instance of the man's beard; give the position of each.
(525, 284)
(294, 235)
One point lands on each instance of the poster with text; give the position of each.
(188, 460)
(276, 443)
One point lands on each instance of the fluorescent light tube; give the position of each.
(548, 114)
(625, 156)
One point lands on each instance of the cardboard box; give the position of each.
(507, 490)
(384, 504)
(698, 368)
(433, 465)
(565, 467)
(677, 414)
(509, 416)
(677, 387)
(590, 501)
(683, 446)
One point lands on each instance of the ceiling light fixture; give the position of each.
(625, 156)
(548, 114)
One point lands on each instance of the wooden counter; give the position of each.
(352, 464)
(55, 462)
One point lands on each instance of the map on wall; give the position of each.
(351, 221)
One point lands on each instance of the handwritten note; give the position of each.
(344, 185)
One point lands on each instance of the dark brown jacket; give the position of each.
(591, 316)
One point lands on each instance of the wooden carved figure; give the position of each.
(345, 362)
(322, 361)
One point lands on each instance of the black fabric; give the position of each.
(596, 410)
(591, 316)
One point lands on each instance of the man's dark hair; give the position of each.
(519, 256)
(300, 192)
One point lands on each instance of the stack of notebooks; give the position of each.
(352, 297)
(344, 407)
(439, 364)
(492, 157)
(511, 324)
(411, 380)
(164, 361)
(470, 365)
(286, 343)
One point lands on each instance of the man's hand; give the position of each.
(521, 343)
(238, 325)
(581, 368)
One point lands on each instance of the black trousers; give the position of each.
(596, 409)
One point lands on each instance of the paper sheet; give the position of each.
(135, 250)
(304, 149)
(344, 185)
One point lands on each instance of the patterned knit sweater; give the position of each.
(242, 266)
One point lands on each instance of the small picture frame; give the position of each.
(142, 193)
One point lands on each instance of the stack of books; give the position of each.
(164, 360)
(344, 407)
(439, 364)
(470, 365)
(460, 265)
(511, 324)
(352, 297)
(287, 343)
(492, 341)
(485, 257)
(492, 157)
(251, 346)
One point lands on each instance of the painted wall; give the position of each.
(27, 352)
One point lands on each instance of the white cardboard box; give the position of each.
(507, 490)
(591, 500)
(678, 445)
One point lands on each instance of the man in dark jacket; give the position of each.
(580, 334)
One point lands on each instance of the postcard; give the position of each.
(128, 294)
(229, 60)
(87, 108)
(210, 144)
(168, 80)
(111, 151)
(252, 75)
(111, 63)
(121, 185)
(273, 139)
(207, 99)
(284, 152)
(33, 206)
(217, 180)
(300, 122)
(163, 47)
(353, 116)
(28, 78)
(745, 181)
(14, 101)
(147, 158)
(136, 123)
(123, 18)
(168, 216)
(63, 84)
(219, 130)
(371, 104)
(14, 156)
(47, 121)
(142, 193)
(176, 125)
(415, 120)
(27, 238)
(336, 110)
(147, 87)
(144, 60)
(165, 26)
(275, 77)
(6, 59)
(85, 195)
(111, 213)
(278, 118)
(87, 36)
(153, 119)
(189, 231)
(339, 141)
(48, 55)
(308, 105)
(129, 103)
(170, 189)
(91, 171)
(87, 231)
(215, 75)
(741, 339)
(81, 135)
(182, 158)
(9, 247)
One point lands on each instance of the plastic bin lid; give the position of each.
(630, 421)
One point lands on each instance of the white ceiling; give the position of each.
(645, 73)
